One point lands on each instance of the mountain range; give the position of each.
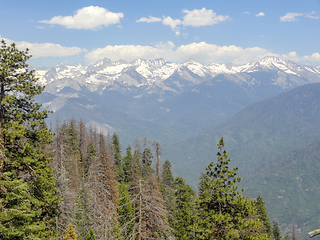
(268, 112)
(180, 99)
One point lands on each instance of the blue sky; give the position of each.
(211, 31)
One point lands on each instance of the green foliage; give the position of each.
(135, 170)
(70, 233)
(27, 187)
(82, 212)
(127, 162)
(166, 175)
(182, 212)
(222, 212)
(117, 156)
(72, 140)
(263, 215)
(90, 235)
(146, 161)
(125, 211)
(276, 233)
(91, 153)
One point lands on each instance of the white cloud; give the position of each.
(149, 20)
(47, 49)
(293, 56)
(245, 12)
(203, 52)
(173, 23)
(260, 14)
(202, 17)
(290, 17)
(194, 18)
(87, 18)
(311, 15)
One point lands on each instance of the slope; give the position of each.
(258, 136)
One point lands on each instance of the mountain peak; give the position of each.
(269, 60)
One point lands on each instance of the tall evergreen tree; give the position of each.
(90, 155)
(166, 174)
(135, 173)
(125, 212)
(82, 212)
(223, 213)
(167, 189)
(83, 142)
(146, 160)
(276, 233)
(182, 213)
(158, 153)
(117, 157)
(28, 193)
(127, 161)
(263, 215)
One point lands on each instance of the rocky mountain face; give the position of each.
(143, 74)
(182, 98)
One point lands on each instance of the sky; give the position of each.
(211, 31)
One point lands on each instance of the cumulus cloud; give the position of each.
(173, 23)
(194, 18)
(293, 56)
(203, 52)
(202, 17)
(47, 49)
(149, 20)
(260, 14)
(291, 17)
(90, 17)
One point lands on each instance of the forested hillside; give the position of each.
(274, 143)
(77, 183)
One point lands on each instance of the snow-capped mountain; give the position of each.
(144, 73)
(182, 97)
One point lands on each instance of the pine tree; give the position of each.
(125, 212)
(146, 160)
(166, 175)
(135, 173)
(28, 193)
(263, 215)
(70, 233)
(127, 161)
(117, 156)
(83, 136)
(276, 233)
(82, 212)
(223, 213)
(90, 155)
(182, 212)
(167, 189)
(158, 153)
